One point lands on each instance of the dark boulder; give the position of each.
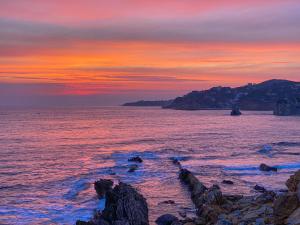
(227, 182)
(102, 186)
(166, 219)
(135, 159)
(259, 188)
(265, 167)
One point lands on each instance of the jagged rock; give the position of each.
(213, 196)
(265, 167)
(197, 188)
(166, 219)
(227, 182)
(132, 168)
(124, 203)
(284, 206)
(102, 186)
(294, 218)
(135, 159)
(293, 182)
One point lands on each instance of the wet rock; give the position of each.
(132, 168)
(227, 182)
(224, 222)
(79, 222)
(169, 202)
(233, 198)
(265, 197)
(259, 188)
(135, 159)
(235, 111)
(265, 167)
(259, 221)
(182, 214)
(284, 206)
(95, 222)
(124, 203)
(120, 222)
(294, 218)
(166, 219)
(175, 161)
(293, 182)
(213, 196)
(196, 187)
(102, 186)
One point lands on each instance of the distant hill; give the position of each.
(262, 96)
(148, 103)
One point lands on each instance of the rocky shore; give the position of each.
(126, 206)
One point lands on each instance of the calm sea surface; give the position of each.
(49, 158)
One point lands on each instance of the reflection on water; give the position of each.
(49, 158)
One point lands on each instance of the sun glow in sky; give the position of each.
(107, 52)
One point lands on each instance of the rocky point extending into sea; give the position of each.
(126, 206)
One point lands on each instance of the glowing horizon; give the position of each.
(126, 50)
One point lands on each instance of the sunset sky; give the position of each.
(93, 52)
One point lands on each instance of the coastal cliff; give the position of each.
(262, 96)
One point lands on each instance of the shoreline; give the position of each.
(212, 206)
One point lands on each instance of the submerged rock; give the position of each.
(132, 168)
(169, 202)
(259, 188)
(166, 219)
(227, 182)
(135, 159)
(102, 186)
(265, 167)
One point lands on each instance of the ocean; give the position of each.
(49, 158)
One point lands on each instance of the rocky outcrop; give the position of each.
(293, 182)
(284, 206)
(235, 111)
(287, 205)
(102, 186)
(266, 208)
(262, 96)
(124, 206)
